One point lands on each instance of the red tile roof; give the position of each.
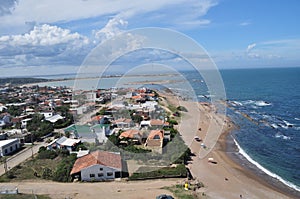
(130, 133)
(154, 122)
(155, 134)
(105, 158)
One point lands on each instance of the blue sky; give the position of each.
(51, 37)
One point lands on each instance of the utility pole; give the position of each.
(5, 164)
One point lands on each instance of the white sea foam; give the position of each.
(237, 103)
(262, 103)
(288, 124)
(275, 126)
(297, 118)
(280, 135)
(243, 153)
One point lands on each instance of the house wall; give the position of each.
(87, 173)
(9, 148)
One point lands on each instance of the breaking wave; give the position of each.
(266, 171)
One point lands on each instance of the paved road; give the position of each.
(21, 156)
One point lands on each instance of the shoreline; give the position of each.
(252, 171)
(233, 175)
(228, 152)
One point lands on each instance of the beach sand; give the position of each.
(228, 176)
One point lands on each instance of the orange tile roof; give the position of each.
(130, 133)
(156, 122)
(155, 133)
(105, 158)
(136, 97)
(125, 120)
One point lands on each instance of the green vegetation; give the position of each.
(180, 192)
(165, 172)
(172, 122)
(49, 165)
(14, 111)
(21, 80)
(68, 117)
(63, 169)
(134, 149)
(39, 127)
(182, 108)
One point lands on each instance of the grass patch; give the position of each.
(32, 169)
(179, 192)
(165, 172)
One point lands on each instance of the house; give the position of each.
(64, 143)
(124, 123)
(133, 134)
(82, 132)
(158, 123)
(9, 146)
(101, 131)
(155, 140)
(97, 166)
(54, 118)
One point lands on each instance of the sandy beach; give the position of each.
(230, 177)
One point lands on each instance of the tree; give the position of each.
(14, 110)
(62, 172)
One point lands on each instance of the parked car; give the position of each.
(197, 139)
(164, 196)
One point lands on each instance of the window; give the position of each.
(101, 169)
(109, 173)
(5, 151)
(11, 149)
(92, 175)
(100, 174)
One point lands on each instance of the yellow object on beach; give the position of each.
(186, 186)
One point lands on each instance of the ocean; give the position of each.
(269, 135)
(263, 103)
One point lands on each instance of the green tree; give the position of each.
(62, 172)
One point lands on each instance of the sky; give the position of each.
(55, 37)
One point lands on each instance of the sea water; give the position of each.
(269, 135)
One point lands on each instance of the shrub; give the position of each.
(62, 172)
(47, 154)
(179, 171)
(182, 108)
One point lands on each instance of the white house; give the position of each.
(64, 143)
(54, 118)
(9, 146)
(2, 108)
(98, 166)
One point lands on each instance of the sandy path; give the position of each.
(118, 190)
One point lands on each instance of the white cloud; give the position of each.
(174, 12)
(45, 35)
(113, 27)
(32, 33)
(245, 23)
(250, 47)
(43, 45)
